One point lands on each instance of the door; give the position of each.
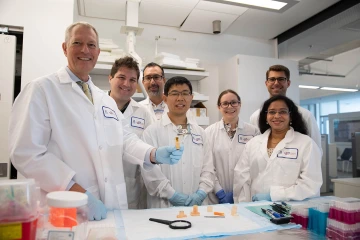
(7, 80)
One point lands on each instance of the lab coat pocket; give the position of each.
(197, 154)
(287, 172)
(94, 190)
(121, 195)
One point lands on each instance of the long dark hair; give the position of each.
(297, 121)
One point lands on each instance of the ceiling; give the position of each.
(198, 15)
(335, 35)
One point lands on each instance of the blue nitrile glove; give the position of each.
(178, 199)
(168, 154)
(196, 198)
(97, 209)
(225, 197)
(261, 196)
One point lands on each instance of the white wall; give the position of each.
(44, 23)
(246, 75)
(12, 13)
(212, 50)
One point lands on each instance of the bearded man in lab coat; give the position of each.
(68, 134)
(123, 79)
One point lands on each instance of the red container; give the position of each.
(18, 230)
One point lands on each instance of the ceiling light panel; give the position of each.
(339, 89)
(309, 87)
(218, 7)
(267, 5)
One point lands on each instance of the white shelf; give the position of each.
(190, 75)
(101, 69)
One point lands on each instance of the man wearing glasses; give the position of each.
(277, 82)
(189, 182)
(154, 81)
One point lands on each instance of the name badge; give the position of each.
(290, 153)
(109, 113)
(138, 122)
(197, 139)
(244, 138)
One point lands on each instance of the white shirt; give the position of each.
(226, 153)
(57, 135)
(156, 110)
(194, 171)
(292, 172)
(309, 119)
(138, 118)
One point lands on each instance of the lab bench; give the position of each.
(134, 224)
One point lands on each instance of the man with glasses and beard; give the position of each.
(154, 81)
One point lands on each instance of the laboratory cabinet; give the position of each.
(247, 74)
(101, 71)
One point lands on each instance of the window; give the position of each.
(327, 108)
(349, 105)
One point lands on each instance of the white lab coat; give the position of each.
(309, 119)
(139, 118)
(226, 153)
(147, 103)
(292, 172)
(58, 135)
(194, 171)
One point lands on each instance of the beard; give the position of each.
(153, 93)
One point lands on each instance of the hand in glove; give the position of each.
(261, 196)
(178, 199)
(168, 155)
(97, 209)
(225, 197)
(196, 198)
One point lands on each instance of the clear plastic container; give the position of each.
(318, 215)
(301, 215)
(18, 209)
(339, 230)
(66, 215)
(346, 210)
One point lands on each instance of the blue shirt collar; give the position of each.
(74, 77)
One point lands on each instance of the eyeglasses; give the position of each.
(156, 78)
(177, 94)
(279, 79)
(281, 112)
(226, 104)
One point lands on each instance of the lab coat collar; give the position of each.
(264, 139)
(165, 120)
(240, 125)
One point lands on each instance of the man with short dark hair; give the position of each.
(190, 181)
(123, 79)
(277, 82)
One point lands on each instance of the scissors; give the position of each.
(177, 224)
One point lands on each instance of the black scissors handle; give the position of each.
(160, 221)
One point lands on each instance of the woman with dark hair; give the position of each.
(282, 163)
(227, 141)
